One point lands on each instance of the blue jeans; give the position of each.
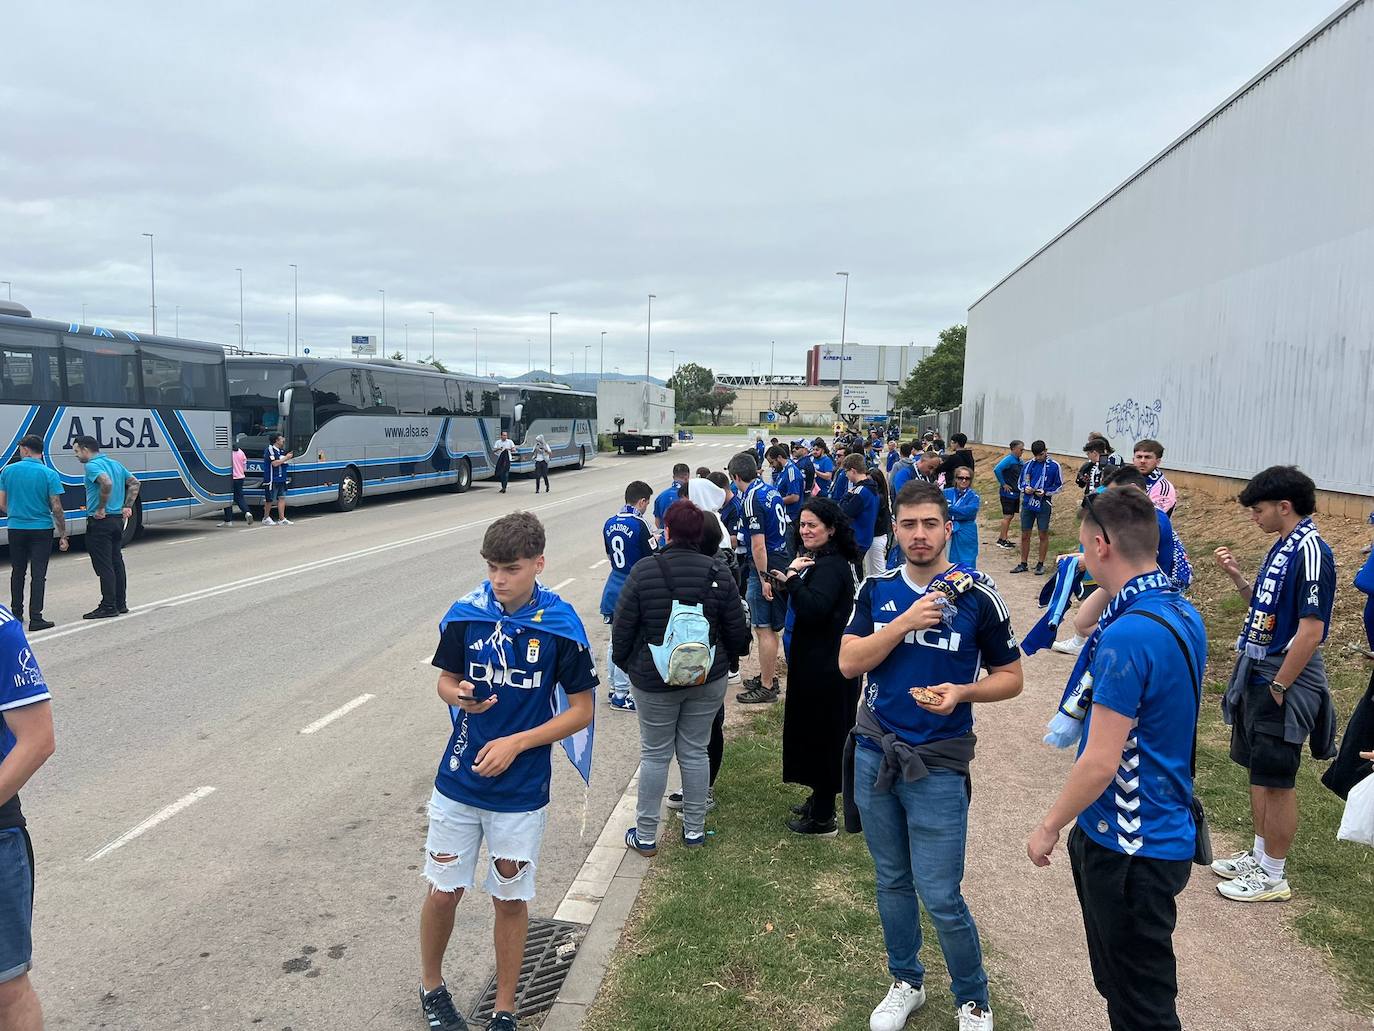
(620, 680)
(16, 905)
(916, 834)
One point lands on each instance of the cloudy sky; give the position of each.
(494, 162)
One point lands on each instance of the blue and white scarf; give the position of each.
(1258, 633)
(545, 611)
(1066, 727)
(1056, 596)
(954, 581)
(1030, 502)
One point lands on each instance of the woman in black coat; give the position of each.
(821, 701)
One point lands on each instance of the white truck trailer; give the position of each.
(636, 414)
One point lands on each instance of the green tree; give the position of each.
(431, 360)
(835, 404)
(691, 384)
(397, 356)
(787, 409)
(937, 383)
(716, 402)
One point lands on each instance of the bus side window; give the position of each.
(29, 367)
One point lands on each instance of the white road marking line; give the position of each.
(342, 710)
(187, 540)
(559, 586)
(161, 816)
(598, 565)
(206, 593)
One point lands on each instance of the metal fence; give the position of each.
(945, 424)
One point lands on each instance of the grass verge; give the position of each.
(761, 928)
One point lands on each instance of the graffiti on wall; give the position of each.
(1132, 420)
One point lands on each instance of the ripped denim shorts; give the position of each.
(458, 830)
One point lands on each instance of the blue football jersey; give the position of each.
(1309, 589)
(980, 637)
(21, 684)
(534, 663)
(628, 539)
(764, 513)
(789, 480)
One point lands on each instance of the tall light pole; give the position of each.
(152, 280)
(672, 361)
(288, 333)
(603, 354)
(296, 304)
(176, 331)
(551, 315)
(83, 314)
(431, 336)
(772, 350)
(383, 293)
(529, 355)
(649, 338)
(586, 354)
(474, 350)
(240, 272)
(844, 315)
(407, 338)
(9, 288)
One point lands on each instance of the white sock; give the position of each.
(1078, 642)
(1273, 868)
(1258, 850)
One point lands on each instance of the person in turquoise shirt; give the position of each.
(31, 496)
(110, 493)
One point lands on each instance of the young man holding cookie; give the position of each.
(923, 633)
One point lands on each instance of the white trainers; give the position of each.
(902, 1001)
(248, 518)
(267, 521)
(973, 1019)
(1241, 864)
(1256, 887)
(283, 521)
(1066, 647)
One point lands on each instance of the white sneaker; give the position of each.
(1256, 887)
(1241, 864)
(283, 521)
(1066, 647)
(223, 524)
(267, 521)
(248, 518)
(971, 1020)
(734, 677)
(902, 1001)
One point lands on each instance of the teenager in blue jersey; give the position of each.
(26, 743)
(802, 457)
(839, 484)
(904, 468)
(1007, 473)
(937, 626)
(1278, 696)
(862, 504)
(890, 455)
(787, 481)
(760, 448)
(823, 465)
(1129, 795)
(628, 538)
(504, 650)
(765, 525)
(1041, 480)
(964, 506)
(675, 491)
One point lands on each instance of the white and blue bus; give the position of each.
(158, 405)
(382, 426)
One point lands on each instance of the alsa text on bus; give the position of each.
(126, 432)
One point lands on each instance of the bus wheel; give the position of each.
(350, 490)
(464, 481)
(582, 457)
(134, 527)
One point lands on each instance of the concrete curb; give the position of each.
(601, 896)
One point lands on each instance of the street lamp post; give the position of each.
(603, 354)
(844, 315)
(586, 355)
(649, 338)
(406, 326)
(672, 363)
(176, 330)
(383, 293)
(240, 272)
(9, 289)
(83, 314)
(772, 350)
(431, 336)
(474, 350)
(288, 333)
(152, 280)
(551, 315)
(296, 306)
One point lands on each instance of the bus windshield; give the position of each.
(254, 392)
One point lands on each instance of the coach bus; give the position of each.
(565, 418)
(158, 405)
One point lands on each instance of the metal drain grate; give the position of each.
(549, 952)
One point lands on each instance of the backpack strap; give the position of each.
(1192, 673)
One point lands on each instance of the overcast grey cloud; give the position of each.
(495, 162)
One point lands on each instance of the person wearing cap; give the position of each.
(802, 457)
(1041, 480)
(31, 496)
(1090, 473)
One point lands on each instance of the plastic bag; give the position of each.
(1358, 822)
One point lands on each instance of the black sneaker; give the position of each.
(41, 624)
(123, 610)
(803, 808)
(1040, 569)
(100, 613)
(503, 1021)
(439, 1010)
(1005, 544)
(815, 828)
(1020, 567)
(758, 694)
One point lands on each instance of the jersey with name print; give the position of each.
(765, 514)
(788, 480)
(628, 539)
(1309, 589)
(21, 684)
(978, 637)
(533, 664)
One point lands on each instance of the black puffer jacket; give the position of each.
(641, 614)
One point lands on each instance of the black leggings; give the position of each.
(541, 472)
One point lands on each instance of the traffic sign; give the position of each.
(864, 399)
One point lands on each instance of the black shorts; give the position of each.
(1257, 740)
(1010, 506)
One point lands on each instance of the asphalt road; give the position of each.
(284, 892)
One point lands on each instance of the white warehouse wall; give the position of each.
(1221, 300)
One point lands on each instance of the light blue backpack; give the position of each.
(685, 657)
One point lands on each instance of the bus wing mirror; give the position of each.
(520, 413)
(284, 404)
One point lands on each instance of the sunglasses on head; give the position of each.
(1092, 512)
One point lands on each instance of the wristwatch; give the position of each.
(1278, 688)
